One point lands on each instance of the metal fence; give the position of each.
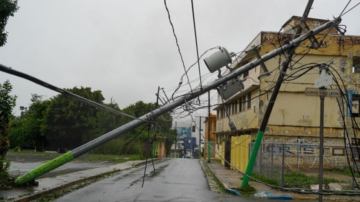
(275, 159)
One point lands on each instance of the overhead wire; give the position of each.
(196, 42)
(350, 9)
(177, 43)
(63, 91)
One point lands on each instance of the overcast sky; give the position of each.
(127, 49)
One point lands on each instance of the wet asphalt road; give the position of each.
(174, 180)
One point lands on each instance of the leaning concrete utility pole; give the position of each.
(155, 125)
(272, 100)
(118, 132)
(208, 142)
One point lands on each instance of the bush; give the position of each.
(17, 149)
(119, 146)
(265, 179)
(5, 180)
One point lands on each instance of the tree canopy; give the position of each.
(7, 9)
(7, 103)
(62, 122)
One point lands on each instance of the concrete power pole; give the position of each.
(155, 125)
(149, 117)
(200, 138)
(176, 139)
(208, 144)
(272, 100)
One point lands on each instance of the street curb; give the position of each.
(224, 184)
(204, 163)
(69, 184)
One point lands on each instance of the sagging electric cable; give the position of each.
(11, 71)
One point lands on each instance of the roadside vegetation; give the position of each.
(265, 179)
(20, 155)
(346, 171)
(62, 124)
(296, 179)
(247, 191)
(219, 187)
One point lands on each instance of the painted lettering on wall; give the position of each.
(271, 131)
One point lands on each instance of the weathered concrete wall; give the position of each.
(296, 117)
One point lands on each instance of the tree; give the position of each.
(7, 9)
(69, 123)
(7, 103)
(26, 129)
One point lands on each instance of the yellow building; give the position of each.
(212, 135)
(295, 118)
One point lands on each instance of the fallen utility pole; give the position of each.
(272, 100)
(163, 109)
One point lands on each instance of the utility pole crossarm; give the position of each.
(163, 109)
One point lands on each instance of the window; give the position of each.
(240, 104)
(356, 64)
(355, 112)
(236, 106)
(249, 101)
(193, 128)
(244, 103)
(214, 126)
(338, 151)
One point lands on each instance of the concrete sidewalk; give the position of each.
(51, 184)
(232, 179)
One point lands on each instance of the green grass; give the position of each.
(217, 160)
(247, 190)
(296, 179)
(265, 179)
(346, 171)
(211, 175)
(112, 158)
(41, 153)
(87, 157)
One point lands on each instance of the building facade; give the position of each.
(295, 116)
(183, 132)
(197, 130)
(210, 136)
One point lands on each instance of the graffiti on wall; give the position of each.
(289, 149)
(289, 132)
